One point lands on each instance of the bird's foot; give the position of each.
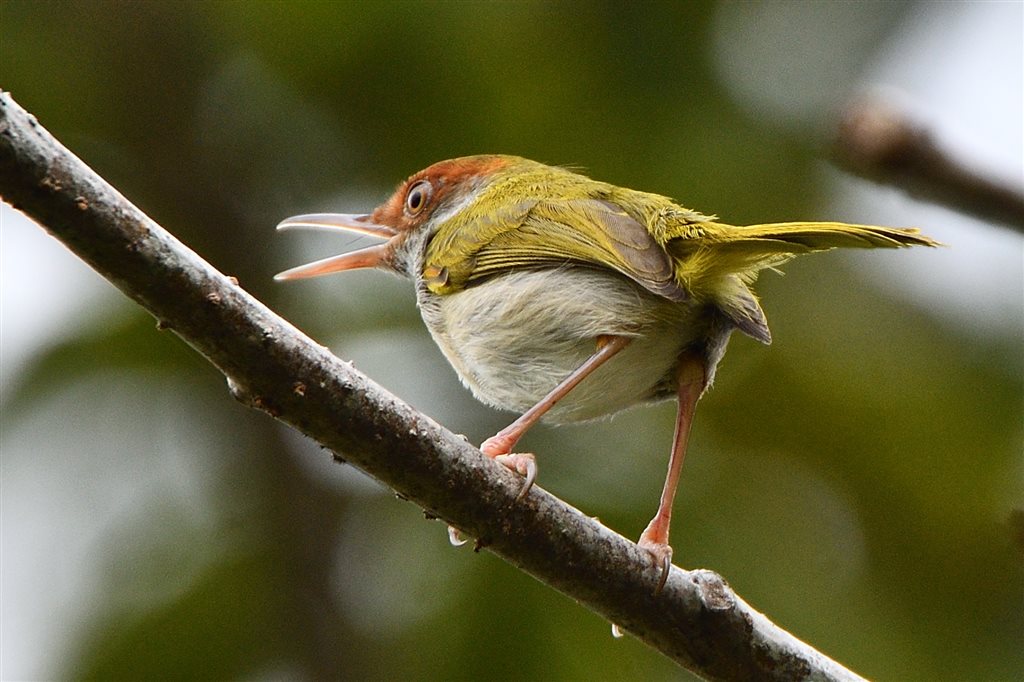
(499, 448)
(661, 552)
(524, 464)
(654, 539)
(499, 444)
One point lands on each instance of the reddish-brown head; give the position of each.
(434, 192)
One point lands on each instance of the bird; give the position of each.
(567, 299)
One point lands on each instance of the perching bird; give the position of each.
(568, 299)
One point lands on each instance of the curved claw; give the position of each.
(523, 464)
(455, 537)
(666, 567)
(661, 553)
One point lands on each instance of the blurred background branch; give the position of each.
(697, 620)
(877, 141)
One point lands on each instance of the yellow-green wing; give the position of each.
(548, 233)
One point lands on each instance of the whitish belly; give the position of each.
(514, 338)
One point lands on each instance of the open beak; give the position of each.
(369, 257)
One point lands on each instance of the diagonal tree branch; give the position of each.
(697, 620)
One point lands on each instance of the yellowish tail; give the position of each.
(720, 261)
(818, 236)
(718, 250)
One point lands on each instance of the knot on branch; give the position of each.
(714, 592)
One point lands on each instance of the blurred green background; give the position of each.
(856, 481)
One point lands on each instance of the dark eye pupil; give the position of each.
(417, 198)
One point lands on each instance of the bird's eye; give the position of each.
(417, 198)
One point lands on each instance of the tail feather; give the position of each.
(719, 262)
(818, 236)
(719, 250)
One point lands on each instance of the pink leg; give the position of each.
(500, 445)
(692, 381)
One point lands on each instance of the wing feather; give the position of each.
(589, 232)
